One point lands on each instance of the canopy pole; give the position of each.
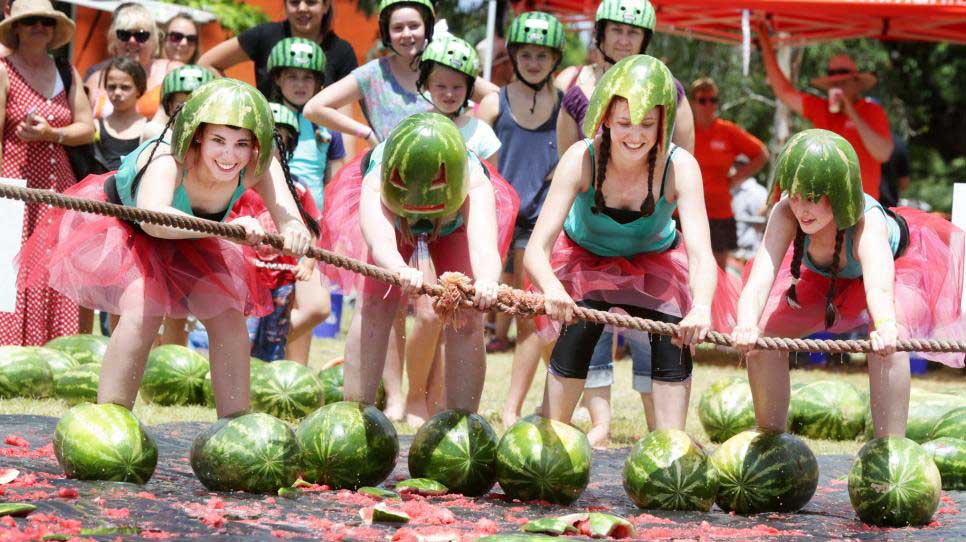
(490, 37)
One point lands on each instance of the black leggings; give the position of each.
(572, 353)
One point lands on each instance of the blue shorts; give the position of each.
(521, 236)
(601, 372)
(271, 334)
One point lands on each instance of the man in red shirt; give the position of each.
(861, 121)
(717, 143)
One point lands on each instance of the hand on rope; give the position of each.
(458, 291)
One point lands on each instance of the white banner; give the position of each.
(11, 221)
(959, 219)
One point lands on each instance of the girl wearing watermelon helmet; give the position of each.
(221, 145)
(427, 194)
(605, 238)
(524, 116)
(175, 90)
(828, 226)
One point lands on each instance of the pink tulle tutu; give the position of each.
(652, 280)
(341, 232)
(107, 264)
(928, 289)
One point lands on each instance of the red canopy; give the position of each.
(796, 21)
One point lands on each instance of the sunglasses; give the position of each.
(707, 100)
(48, 22)
(140, 36)
(178, 37)
(832, 72)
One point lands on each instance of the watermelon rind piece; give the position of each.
(764, 471)
(457, 449)
(252, 452)
(104, 442)
(668, 470)
(174, 376)
(828, 410)
(381, 513)
(894, 483)
(24, 374)
(949, 455)
(16, 509)
(79, 385)
(347, 445)
(726, 409)
(286, 389)
(422, 486)
(378, 492)
(951, 424)
(600, 525)
(81, 347)
(289, 492)
(8, 475)
(543, 459)
(551, 526)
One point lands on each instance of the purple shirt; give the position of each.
(575, 102)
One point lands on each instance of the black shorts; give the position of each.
(724, 234)
(575, 347)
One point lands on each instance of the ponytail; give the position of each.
(601, 170)
(830, 312)
(791, 296)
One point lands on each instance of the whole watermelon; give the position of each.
(286, 389)
(827, 409)
(925, 411)
(252, 452)
(894, 483)
(726, 409)
(457, 449)
(24, 374)
(79, 385)
(174, 375)
(209, 392)
(104, 442)
(83, 348)
(668, 470)
(332, 380)
(951, 424)
(543, 459)
(347, 445)
(58, 361)
(764, 471)
(949, 454)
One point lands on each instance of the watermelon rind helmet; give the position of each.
(816, 163)
(296, 53)
(424, 168)
(639, 13)
(230, 102)
(184, 79)
(645, 82)
(536, 28)
(425, 6)
(454, 53)
(283, 116)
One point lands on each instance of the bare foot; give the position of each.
(416, 412)
(395, 410)
(509, 418)
(599, 437)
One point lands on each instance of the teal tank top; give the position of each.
(853, 269)
(124, 179)
(605, 236)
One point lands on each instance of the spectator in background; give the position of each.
(133, 34)
(181, 39)
(501, 72)
(861, 121)
(748, 201)
(895, 174)
(120, 132)
(39, 118)
(717, 143)
(4, 13)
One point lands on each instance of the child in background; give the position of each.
(120, 132)
(297, 69)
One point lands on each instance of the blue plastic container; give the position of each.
(333, 324)
(918, 366)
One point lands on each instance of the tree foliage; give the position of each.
(234, 16)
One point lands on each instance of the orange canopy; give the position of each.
(796, 21)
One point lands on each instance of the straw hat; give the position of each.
(844, 69)
(63, 32)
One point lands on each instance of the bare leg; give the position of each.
(421, 350)
(392, 372)
(230, 362)
(597, 401)
(85, 318)
(889, 393)
(126, 356)
(367, 346)
(465, 363)
(526, 358)
(561, 396)
(671, 404)
(647, 400)
(175, 331)
(436, 386)
(770, 388)
(312, 306)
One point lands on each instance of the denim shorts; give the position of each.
(521, 236)
(271, 335)
(601, 373)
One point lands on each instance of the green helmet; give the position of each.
(645, 82)
(454, 53)
(184, 79)
(816, 163)
(297, 53)
(419, 149)
(284, 116)
(536, 28)
(638, 13)
(230, 102)
(383, 4)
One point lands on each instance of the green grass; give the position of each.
(628, 416)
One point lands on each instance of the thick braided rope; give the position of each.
(509, 300)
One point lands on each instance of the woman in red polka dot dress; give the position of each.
(39, 118)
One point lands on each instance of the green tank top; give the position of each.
(127, 193)
(604, 236)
